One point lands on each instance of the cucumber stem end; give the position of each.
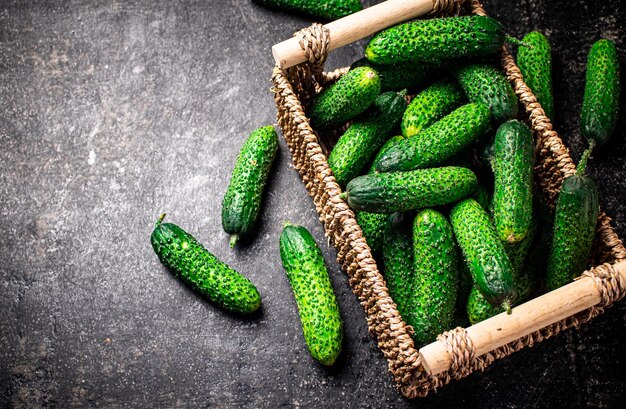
(234, 238)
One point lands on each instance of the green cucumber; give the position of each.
(429, 106)
(410, 76)
(439, 142)
(487, 85)
(242, 202)
(484, 253)
(436, 275)
(483, 197)
(180, 252)
(512, 166)
(326, 9)
(399, 191)
(319, 313)
(356, 147)
(350, 96)
(598, 117)
(534, 60)
(373, 224)
(398, 261)
(436, 39)
(575, 221)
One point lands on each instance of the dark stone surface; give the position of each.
(115, 111)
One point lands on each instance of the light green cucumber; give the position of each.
(396, 77)
(534, 60)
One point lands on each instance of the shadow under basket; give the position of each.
(293, 88)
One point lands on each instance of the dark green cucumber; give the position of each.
(429, 106)
(512, 166)
(350, 96)
(398, 261)
(242, 201)
(598, 117)
(487, 85)
(439, 142)
(534, 60)
(319, 313)
(436, 39)
(356, 147)
(483, 197)
(373, 224)
(483, 252)
(326, 9)
(435, 263)
(399, 191)
(409, 76)
(575, 221)
(187, 259)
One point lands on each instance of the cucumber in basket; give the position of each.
(598, 117)
(398, 260)
(487, 85)
(575, 221)
(484, 253)
(534, 59)
(396, 77)
(242, 202)
(362, 139)
(429, 106)
(399, 191)
(436, 39)
(326, 9)
(186, 258)
(319, 313)
(439, 142)
(350, 96)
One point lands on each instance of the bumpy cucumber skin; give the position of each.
(242, 201)
(429, 106)
(398, 261)
(396, 77)
(400, 191)
(512, 166)
(362, 139)
(487, 85)
(435, 40)
(535, 63)
(326, 9)
(598, 117)
(350, 96)
(319, 313)
(373, 224)
(186, 258)
(436, 275)
(483, 252)
(575, 221)
(439, 142)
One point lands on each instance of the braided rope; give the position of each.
(460, 348)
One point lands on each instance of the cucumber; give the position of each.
(487, 85)
(326, 9)
(439, 142)
(429, 106)
(242, 202)
(435, 40)
(356, 147)
(575, 221)
(483, 197)
(409, 76)
(436, 276)
(512, 166)
(398, 261)
(180, 252)
(598, 117)
(534, 60)
(350, 96)
(319, 313)
(484, 253)
(373, 224)
(399, 191)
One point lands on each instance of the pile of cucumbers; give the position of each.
(442, 187)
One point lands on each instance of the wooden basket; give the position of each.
(460, 351)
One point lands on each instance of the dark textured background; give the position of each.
(115, 111)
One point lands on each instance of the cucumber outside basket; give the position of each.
(298, 76)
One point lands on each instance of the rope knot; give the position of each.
(608, 282)
(460, 348)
